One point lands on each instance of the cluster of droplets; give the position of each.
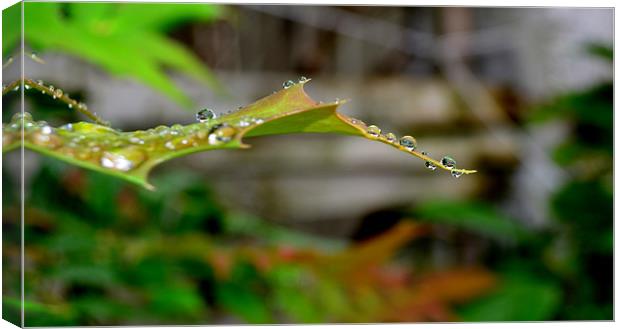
(289, 83)
(409, 143)
(113, 149)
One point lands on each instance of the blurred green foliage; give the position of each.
(97, 247)
(563, 271)
(125, 39)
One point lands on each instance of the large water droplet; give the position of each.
(456, 174)
(205, 115)
(288, 84)
(448, 162)
(390, 137)
(373, 130)
(20, 117)
(408, 142)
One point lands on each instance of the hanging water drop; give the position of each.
(303, 79)
(456, 174)
(205, 115)
(288, 84)
(373, 130)
(408, 142)
(448, 162)
(430, 165)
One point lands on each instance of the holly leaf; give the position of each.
(132, 155)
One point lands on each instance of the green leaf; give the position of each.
(475, 217)
(125, 39)
(11, 28)
(132, 155)
(520, 297)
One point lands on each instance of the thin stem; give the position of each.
(61, 96)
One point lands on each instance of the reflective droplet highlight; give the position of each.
(288, 84)
(408, 142)
(448, 162)
(205, 115)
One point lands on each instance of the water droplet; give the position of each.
(221, 133)
(123, 159)
(373, 130)
(288, 84)
(40, 82)
(205, 115)
(456, 174)
(169, 145)
(244, 122)
(258, 121)
(448, 162)
(430, 165)
(176, 129)
(20, 117)
(46, 130)
(83, 106)
(70, 105)
(58, 93)
(16, 88)
(67, 127)
(408, 142)
(303, 79)
(26, 86)
(136, 140)
(390, 137)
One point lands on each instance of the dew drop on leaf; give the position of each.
(390, 137)
(373, 130)
(408, 142)
(221, 133)
(205, 115)
(58, 93)
(288, 84)
(430, 165)
(122, 160)
(448, 162)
